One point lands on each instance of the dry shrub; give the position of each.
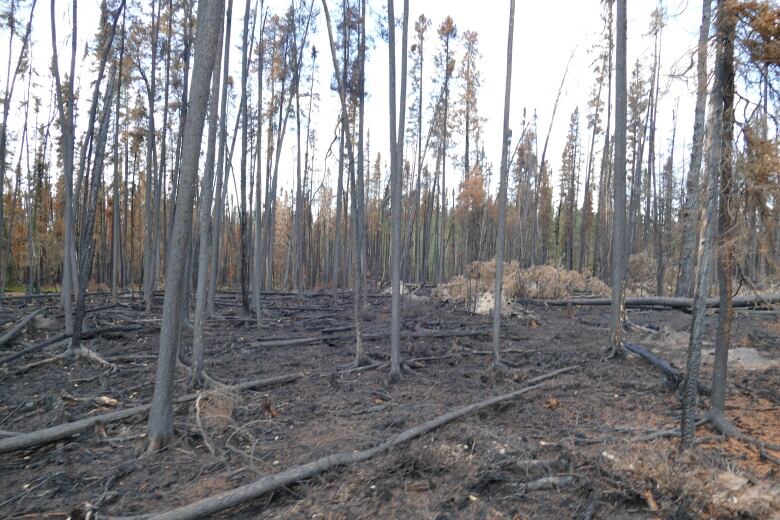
(641, 273)
(723, 492)
(216, 409)
(93, 286)
(539, 282)
(773, 326)
(545, 282)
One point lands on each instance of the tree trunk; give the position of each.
(66, 124)
(502, 187)
(244, 237)
(396, 167)
(726, 249)
(87, 242)
(691, 211)
(619, 196)
(258, 235)
(197, 377)
(713, 164)
(151, 161)
(216, 219)
(160, 428)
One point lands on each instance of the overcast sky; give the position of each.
(546, 34)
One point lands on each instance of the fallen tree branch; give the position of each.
(87, 334)
(290, 342)
(234, 497)
(673, 303)
(552, 482)
(19, 327)
(673, 376)
(62, 431)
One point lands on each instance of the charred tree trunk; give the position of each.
(713, 165)
(726, 246)
(691, 211)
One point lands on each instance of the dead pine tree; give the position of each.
(198, 375)
(447, 33)
(65, 103)
(358, 222)
(619, 196)
(726, 239)
(244, 233)
(217, 212)
(116, 233)
(160, 425)
(258, 234)
(396, 167)
(87, 242)
(358, 197)
(715, 135)
(502, 187)
(691, 209)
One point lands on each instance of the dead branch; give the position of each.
(87, 334)
(234, 497)
(548, 483)
(62, 431)
(673, 376)
(290, 342)
(19, 327)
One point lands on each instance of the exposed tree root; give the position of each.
(62, 431)
(727, 429)
(197, 380)
(71, 354)
(234, 497)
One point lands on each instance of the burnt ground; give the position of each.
(590, 424)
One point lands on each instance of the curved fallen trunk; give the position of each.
(672, 303)
(234, 497)
(19, 327)
(62, 431)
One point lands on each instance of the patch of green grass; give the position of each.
(14, 287)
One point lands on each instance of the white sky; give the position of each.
(546, 33)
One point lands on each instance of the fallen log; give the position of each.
(86, 334)
(673, 376)
(39, 296)
(19, 327)
(62, 431)
(290, 342)
(670, 302)
(234, 497)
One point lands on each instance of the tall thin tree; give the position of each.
(502, 187)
